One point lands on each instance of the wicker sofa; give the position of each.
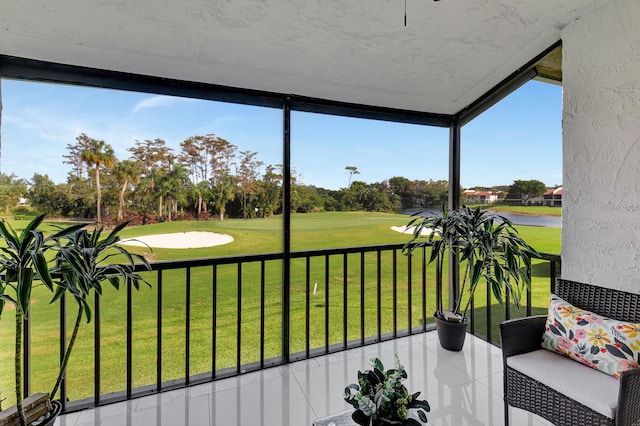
(522, 337)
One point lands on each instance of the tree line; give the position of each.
(207, 176)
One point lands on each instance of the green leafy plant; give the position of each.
(380, 398)
(22, 262)
(488, 248)
(78, 263)
(83, 265)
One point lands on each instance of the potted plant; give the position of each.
(380, 398)
(488, 248)
(77, 265)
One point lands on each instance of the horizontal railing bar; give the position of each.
(229, 260)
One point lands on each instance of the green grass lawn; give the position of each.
(529, 210)
(309, 231)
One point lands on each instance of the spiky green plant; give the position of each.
(488, 247)
(79, 264)
(83, 265)
(23, 262)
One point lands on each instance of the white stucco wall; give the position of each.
(601, 147)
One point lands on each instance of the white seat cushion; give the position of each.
(585, 385)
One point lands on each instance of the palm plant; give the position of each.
(82, 264)
(488, 248)
(98, 154)
(23, 261)
(79, 263)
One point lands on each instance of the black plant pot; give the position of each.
(451, 334)
(50, 419)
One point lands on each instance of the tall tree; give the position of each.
(195, 154)
(403, 190)
(269, 191)
(353, 170)
(126, 173)
(174, 187)
(222, 156)
(155, 160)
(74, 156)
(222, 183)
(12, 189)
(98, 154)
(223, 192)
(247, 176)
(526, 190)
(47, 197)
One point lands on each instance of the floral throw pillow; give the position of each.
(605, 344)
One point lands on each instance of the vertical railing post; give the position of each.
(63, 348)
(552, 275)
(239, 323)
(214, 318)
(129, 338)
(307, 302)
(488, 317)
(326, 303)
(409, 298)
(424, 288)
(362, 299)
(379, 292)
(395, 293)
(528, 292)
(262, 311)
(159, 333)
(345, 304)
(286, 235)
(96, 349)
(187, 328)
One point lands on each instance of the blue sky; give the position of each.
(519, 138)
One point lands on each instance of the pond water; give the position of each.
(525, 219)
(517, 219)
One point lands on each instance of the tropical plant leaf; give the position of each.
(42, 268)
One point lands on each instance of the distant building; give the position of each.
(553, 197)
(481, 197)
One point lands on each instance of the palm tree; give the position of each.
(126, 172)
(98, 154)
(174, 187)
(223, 192)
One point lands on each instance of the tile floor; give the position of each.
(463, 388)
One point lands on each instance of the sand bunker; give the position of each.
(180, 240)
(425, 232)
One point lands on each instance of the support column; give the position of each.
(286, 215)
(454, 203)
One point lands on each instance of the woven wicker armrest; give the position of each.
(629, 399)
(522, 335)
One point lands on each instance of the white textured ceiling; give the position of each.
(449, 54)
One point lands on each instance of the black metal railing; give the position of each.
(206, 319)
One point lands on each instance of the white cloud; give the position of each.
(160, 101)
